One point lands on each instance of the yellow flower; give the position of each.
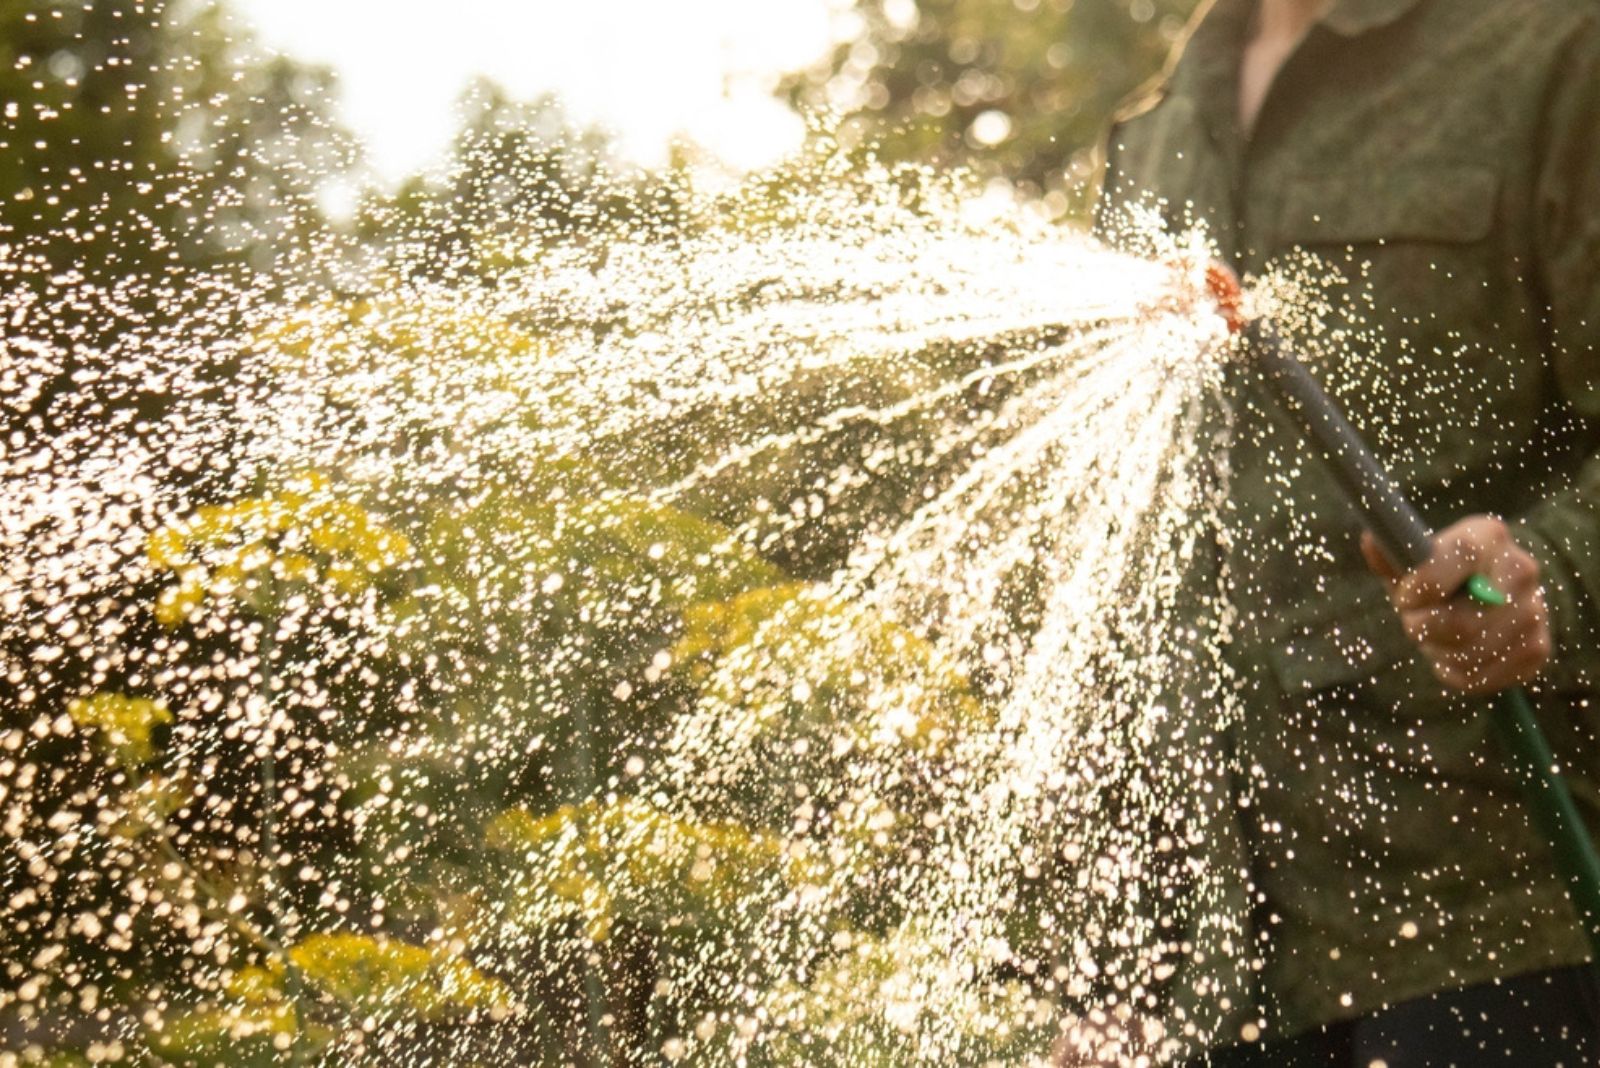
(372, 975)
(784, 654)
(255, 986)
(176, 604)
(121, 723)
(167, 548)
(294, 567)
(295, 534)
(235, 1034)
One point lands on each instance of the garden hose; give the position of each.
(1408, 542)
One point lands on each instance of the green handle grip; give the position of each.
(1480, 589)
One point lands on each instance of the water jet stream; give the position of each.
(773, 643)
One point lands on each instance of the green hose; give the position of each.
(1549, 800)
(1554, 812)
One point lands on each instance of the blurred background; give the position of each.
(313, 113)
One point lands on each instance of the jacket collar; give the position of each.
(1353, 17)
(1224, 24)
(1222, 27)
(1212, 56)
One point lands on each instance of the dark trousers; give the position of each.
(1544, 1020)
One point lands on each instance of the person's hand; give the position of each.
(1473, 648)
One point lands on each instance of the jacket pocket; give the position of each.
(1417, 330)
(1416, 242)
(1351, 653)
(1360, 665)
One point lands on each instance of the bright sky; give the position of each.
(645, 68)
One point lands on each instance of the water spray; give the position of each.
(1407, 541)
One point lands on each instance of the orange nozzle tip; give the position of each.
(1223, 285)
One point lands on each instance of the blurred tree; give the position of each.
(1020, 89)
(143, 136)
(519, 174)
(145, 143)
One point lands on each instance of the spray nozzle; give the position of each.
(1198, 277)
(1223, 285)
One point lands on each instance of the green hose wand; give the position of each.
(1407, 541)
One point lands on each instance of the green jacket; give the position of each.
(1444, 157)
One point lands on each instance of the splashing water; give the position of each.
(776, 640)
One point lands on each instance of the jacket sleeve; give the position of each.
(1563, 532)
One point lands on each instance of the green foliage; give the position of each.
(544, 658)
(543, 616)
(792, 658)
(250, 1035)
(856, 1007)
(611, 556)
(350, 978)
(370, 975)
(820, 715)
(473, 683)
(625, 859)
(558, 602)
(398, 332)
(256, 552)
(1021, 89)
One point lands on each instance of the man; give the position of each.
(1444, 156)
